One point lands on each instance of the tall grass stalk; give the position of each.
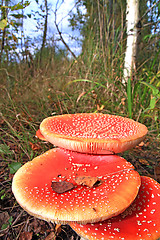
(129, 97)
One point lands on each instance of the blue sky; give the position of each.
(62, 19)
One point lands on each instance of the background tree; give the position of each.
(104, 29)
(44, 38)
(133, 23)
(12, 19)
(4, 15)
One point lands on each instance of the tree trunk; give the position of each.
(3, 16)
(44, 31)
(132, 17)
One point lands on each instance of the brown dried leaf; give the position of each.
(35, 146)
(25, 236)
(143, 161)
(88, 181)
(157, 172)
(141, 144)
(61, 187)
(123, 101)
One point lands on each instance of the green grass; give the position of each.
(91, 83)
(68, 87)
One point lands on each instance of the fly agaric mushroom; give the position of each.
(140, 221)
(116, 187)
(94, 133)
(39, 135)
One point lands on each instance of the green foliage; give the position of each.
(3, 24)
(20, 5)
(9, 24)
(4, 149)
(143, 101)
(2, 194)
(6, 225)
(8, 9)
(152, 87)
(14, 166)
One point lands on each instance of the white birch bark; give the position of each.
(132, 16)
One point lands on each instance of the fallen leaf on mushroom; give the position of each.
(61, 187)
(34, 192)
(88, 181)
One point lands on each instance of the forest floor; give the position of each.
(15, 223)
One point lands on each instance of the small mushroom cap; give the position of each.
(39, 135)
(140, 221)
(94, 133)
(32, 186)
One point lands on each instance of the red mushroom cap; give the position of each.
(32, 186)
(39, 135)
(93, 132)
(141, 221)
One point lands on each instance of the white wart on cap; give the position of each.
(93, 133)
(141, 221)
(116, 188)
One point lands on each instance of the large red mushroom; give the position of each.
(141, 221)
(64, 186)
(93, 133)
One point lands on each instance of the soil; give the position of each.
(16, 224)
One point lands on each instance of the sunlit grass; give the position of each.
(88, 84)
(71, 87)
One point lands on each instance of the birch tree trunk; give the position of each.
(132, 17)
(44, 30)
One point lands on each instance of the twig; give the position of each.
(17, 218)
(148, 10)
(60, 34)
